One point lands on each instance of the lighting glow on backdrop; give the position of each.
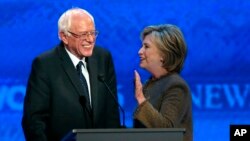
(217, 66)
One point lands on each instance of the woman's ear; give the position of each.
(161, 60)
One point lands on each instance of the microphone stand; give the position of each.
(101, 78)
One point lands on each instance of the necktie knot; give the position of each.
(79, 65)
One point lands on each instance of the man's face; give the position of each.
(81, 36)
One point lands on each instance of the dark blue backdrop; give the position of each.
(217, 66)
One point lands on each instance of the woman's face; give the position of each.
(150, 58)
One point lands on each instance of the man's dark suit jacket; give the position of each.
(52, 107)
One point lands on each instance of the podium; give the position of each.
(130, 134)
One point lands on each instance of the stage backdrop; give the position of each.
(217, 66)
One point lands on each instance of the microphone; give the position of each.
(101, 78)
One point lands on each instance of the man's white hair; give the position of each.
(64, 21)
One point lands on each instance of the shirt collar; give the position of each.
(74, 59)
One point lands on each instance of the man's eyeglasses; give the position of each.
(85, 34)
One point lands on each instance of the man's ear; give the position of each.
(63, 37)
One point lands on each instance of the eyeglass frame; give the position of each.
(85, 34)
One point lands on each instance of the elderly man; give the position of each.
(64, 91)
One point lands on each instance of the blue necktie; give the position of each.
(84, 85)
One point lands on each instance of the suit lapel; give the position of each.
(71, 72)
(69, 69)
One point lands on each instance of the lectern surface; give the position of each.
(131, 134)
